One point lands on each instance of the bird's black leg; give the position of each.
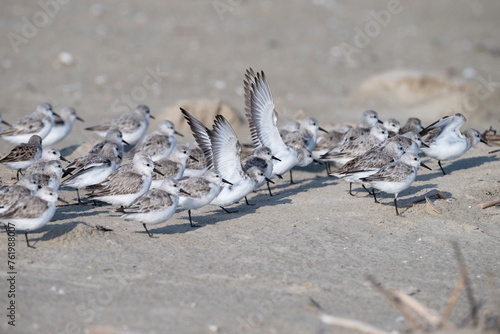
(269, 188)
(291, 177)
(248, 203)
(374, 196)
(227, 211)
(439, 163)
(150, 235)
(350, 189)
(191, 221)
(367, 190)
(396, 205)
(27, 241)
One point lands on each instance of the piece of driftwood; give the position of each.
(351, 324)
(493, 202)
(433, 192)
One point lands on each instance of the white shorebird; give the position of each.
(39, 123)
(132, 125)
(31, 212)
(171, 167)
(412, 125)
(26, 186)
(396, 176)
(90, 169)
(393, 126)
(368, 163)
(305, 136)
(48, 154)
(262, 118)
(158, 144)
(351, 149)
(50, 174)
(369, 118)
(155, 206)
(198, 166)
(63, 124)
(23, 155)
(446, 142)
(113, 136)
(261, 157)
(125, 187)
(200, 191)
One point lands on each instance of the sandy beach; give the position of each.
(262, 269)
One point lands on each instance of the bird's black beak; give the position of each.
(62, 201)
(158, 172)
(123, 141)
(119, 156)
(274, 158)
(178, 133)
(482, 140)
(425, 166)
(80, 119)
(317, 161)
(379, 121)
(55, 114)
(226, 181)
(321, 129)
(193, 158)
(269, 180)
(4, 122)
(184, 192)
(424, 144)
(63, 159)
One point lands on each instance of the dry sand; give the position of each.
(255, 271)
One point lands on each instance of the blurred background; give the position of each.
(328, 59)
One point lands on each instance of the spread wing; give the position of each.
(440, 124)
(153, 200)
(264, 116)
(202, 136)
(226, 150)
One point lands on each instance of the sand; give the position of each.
(256, 271)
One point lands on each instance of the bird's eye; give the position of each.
(148, 165)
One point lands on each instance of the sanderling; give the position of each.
(113, 136)
(31, 212)
(410, 141)
(23, 155)
(171, 167)
(4, 122)
(125, 187)
(329, 140)
(413, 124)
(90, 169)
(63, 124)
(261, 157)
(155, 206)
(158, 144)
(446, 142)
(48, 154)
(305, 136)
(369, 163)
(369, 118)
(196, 167)
(262, 118)
(37, 123)
(50, 175)
(393, 126)
(351, 149)
(132, 125)
(200, 191)
(396, 176)
(26, 186)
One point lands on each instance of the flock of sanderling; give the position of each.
(217, 169)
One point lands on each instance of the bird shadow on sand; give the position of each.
(54, 231)
(456, 165)
(68, 151)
